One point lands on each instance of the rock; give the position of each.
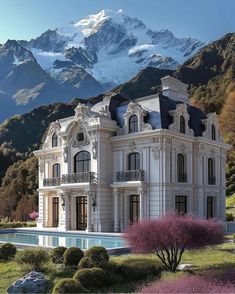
(33, 282)
(185, 266)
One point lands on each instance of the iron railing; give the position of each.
(130, 175)
(51, 182)
(82, 177)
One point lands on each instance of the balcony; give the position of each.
(83, 177)
(211, 180)
(182, 178)
(130, 175)
(48, 182)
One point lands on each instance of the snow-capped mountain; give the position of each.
(83, 59)
(111, 46)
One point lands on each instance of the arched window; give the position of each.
(211, 172)
(181, 168)
(134, 161)
(213, 133)
(56, 170)
(182, 124)
(54, 140)
(82, 162)
(133, 124)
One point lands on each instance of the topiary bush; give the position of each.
(8, 251)
(92, 278)
(72, 256)
(57, 254)
(33, 258)
(68, 285)
(84, 263)
(96, 256)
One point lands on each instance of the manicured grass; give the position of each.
(217, 257)
(9, 272)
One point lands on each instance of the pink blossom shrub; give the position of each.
(189, 284)
(169, 236)
(33, 215)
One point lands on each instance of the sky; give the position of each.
(205, 20)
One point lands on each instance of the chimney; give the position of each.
(174, 89)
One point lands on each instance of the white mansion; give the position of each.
(120, 161)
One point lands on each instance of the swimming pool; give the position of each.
(54, 239)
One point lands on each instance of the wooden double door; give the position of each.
(81, 212)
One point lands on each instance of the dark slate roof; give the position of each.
(158, 107)
(196, 115)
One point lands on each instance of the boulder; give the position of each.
(33, 282)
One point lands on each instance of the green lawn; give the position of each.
(217, 257)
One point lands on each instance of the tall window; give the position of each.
(213, 133)
(56, 170)
(134, 208)
(134, 161)
(54, 140)
(182, 124)
(211, 172)
(82, 162)
(210, 207)
(181, 169)
(181, 205)
(133, 124)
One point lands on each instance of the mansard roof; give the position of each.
(158, 109)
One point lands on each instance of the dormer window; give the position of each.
(133, 124)
(182, 124)
(54, 140)
(213, 132)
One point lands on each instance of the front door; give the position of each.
(134, 208)
(55, 211)
(81, 212)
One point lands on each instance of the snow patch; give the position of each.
(46, 59)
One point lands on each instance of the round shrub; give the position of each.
(84, 263)
(72, 256)
(92, 278)
(33, 258)
(57, 254)
(97, 256)
(8, 250)
(68, 286)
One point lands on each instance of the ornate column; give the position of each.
(141, 193)
(41, 219)
(89, 213)
(65, 215)
(116, 210)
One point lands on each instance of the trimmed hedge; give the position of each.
(134, 268)
(10, 225)
(7, 251)
(57, 254)
(68, 286)
(72, 256)
(92, 278)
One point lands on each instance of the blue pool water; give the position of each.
(59, 239)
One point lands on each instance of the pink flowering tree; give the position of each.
(33, 215)
(171, 235)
